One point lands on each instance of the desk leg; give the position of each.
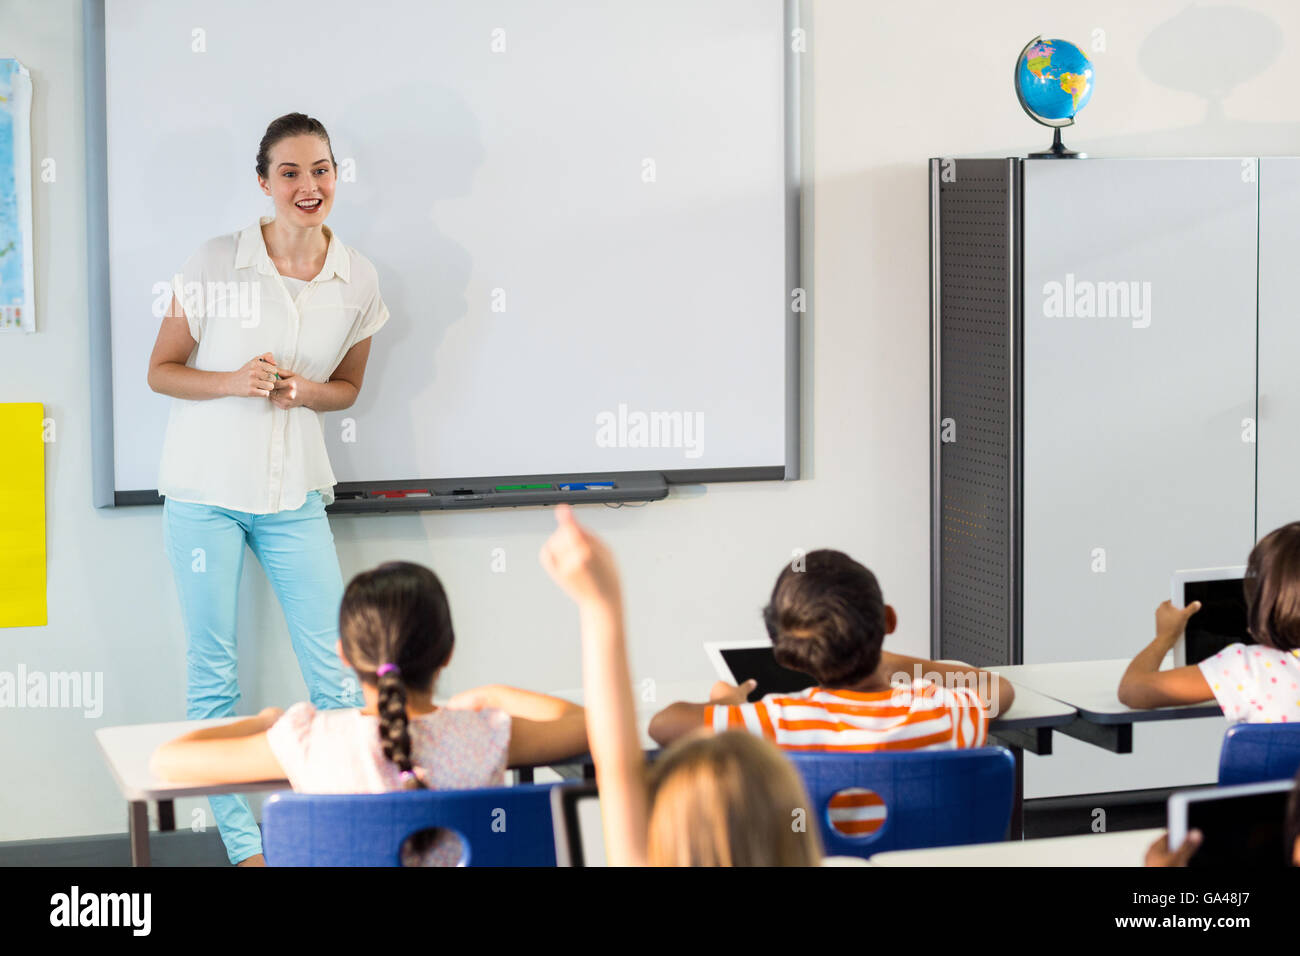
(1018, 804)
(1117, 738)
(166, 815)
(1037, 740)
(137, 818)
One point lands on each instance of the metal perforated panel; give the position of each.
(973, 403)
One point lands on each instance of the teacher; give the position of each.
(268, 328)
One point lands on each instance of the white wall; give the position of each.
(892, 84)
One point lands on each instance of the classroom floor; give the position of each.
(1057, 816)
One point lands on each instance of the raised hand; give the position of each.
(580, 563)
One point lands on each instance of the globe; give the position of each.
(1053, 82)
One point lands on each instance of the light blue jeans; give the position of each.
(205, 545)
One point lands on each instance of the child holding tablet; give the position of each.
(1159, 854)
(396, 633)
(828, 619)
(1252, 683)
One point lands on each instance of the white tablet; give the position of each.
(1244, 825)
(1222, 618)
(738, 661)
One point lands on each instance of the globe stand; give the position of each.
(1058, 150)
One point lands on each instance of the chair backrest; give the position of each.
(930, 798)
(497, 826)
(1254, 753)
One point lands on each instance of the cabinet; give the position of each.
(1099, 332)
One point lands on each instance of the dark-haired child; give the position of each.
(396, 633)
(828, 619)
(1257, 683)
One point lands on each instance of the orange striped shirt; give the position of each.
(921, 715)
(918, 716)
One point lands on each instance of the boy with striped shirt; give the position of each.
(829, 620)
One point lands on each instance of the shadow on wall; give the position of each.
(424, 278)
(1208, 51)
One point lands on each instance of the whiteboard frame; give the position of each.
(105, 492)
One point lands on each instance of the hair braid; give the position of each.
(394, 727)
(395, 627)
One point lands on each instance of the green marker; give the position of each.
(523, 488)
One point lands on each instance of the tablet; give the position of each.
(1240, 826)
(1222, 619)
(738, 661)
(579, 834)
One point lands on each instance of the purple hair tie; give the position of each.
(387, 669)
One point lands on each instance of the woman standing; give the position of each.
(267, 329)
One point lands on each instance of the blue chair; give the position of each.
(1255, 753)
(498, 826)
(932, 798)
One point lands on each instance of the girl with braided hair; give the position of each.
(396, 633)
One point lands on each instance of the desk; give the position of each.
(661, 695)
(1127, 848)
(649, 701)
(1026, 725)
(1029, 721)
(1090, 688)
(127, 751)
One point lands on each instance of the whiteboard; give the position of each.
(579, 212)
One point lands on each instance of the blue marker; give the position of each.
(585, 485)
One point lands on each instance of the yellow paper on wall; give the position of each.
(22, 515)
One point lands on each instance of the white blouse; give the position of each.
(245, 453)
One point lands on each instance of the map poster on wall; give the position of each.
(16, 287)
